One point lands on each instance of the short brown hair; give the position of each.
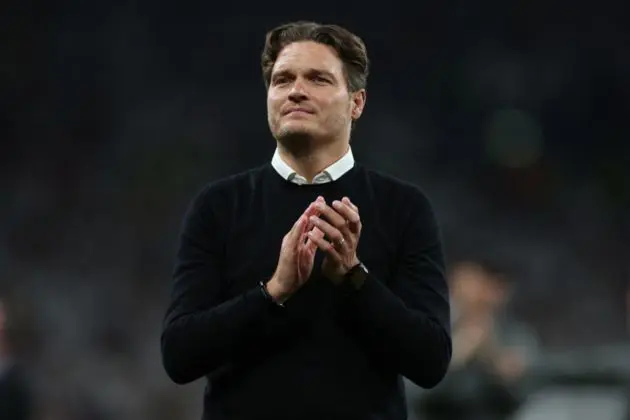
(349, 47)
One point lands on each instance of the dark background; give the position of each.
(511, 115)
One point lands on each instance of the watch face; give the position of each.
(357, 276)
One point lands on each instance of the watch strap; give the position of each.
(356, 276)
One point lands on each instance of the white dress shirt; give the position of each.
(332, 173)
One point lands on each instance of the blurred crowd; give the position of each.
(115, 115)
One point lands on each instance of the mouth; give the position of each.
(298, 111)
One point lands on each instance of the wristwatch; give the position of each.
(356, 276)
(268, 297)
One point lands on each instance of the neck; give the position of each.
(315, 160)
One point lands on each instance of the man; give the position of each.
(492, 352)
(357, 296)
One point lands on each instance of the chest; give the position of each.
(253, 245)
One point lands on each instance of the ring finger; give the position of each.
(334, 235)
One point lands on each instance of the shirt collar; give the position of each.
(332, 173)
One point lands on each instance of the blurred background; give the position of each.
(512, 116)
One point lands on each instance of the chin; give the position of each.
(296, 131)
(297, 139)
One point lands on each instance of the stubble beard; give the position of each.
(299, 143)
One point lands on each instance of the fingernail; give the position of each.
(336, 203)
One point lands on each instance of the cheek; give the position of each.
(345, 108)
(270, 104)
(339, 110)
(273, 102)
(273, 114)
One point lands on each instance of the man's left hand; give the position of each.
(341, 226)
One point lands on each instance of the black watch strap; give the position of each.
(356, 276)
(268, 297)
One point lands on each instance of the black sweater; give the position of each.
(327, 354)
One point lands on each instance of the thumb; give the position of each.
(297, 229)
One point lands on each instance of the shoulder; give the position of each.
(397, 190)
(227, 190)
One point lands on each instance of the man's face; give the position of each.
(308, 96)
(474, 290)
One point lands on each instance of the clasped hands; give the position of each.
(334, 229)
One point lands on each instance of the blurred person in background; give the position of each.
(15, 393)
(326, 329)
(491, 352)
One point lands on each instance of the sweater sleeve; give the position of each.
(405, 320)
(201, 331)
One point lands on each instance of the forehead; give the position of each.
(468, 273)
(306, 56)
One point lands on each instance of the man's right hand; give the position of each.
(297, 256)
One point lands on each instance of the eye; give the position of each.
(280, 79)
(321, 79)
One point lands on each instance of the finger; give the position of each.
(331, 215)
(329, 230)
(299, 223)
(303, 240)
(300, 254)
(347, 201)
(313, 210)
(306, 244)
(355, 224)
(312, 246)
(306, 253)
(308, 248)
(353, 221)
(302, 248)
(347, 211)
(315, 205)
(318, 201)
(325, 246)
(297, 229)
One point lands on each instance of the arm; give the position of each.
(407, 322)
(201, 331)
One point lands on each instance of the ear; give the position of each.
(358, 103)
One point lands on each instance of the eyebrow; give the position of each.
(312, 71)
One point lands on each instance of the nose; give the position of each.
(297, 92)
